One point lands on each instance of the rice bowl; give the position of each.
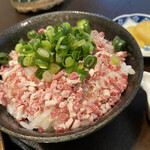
(93, 104)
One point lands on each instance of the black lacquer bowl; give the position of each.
(10, 37)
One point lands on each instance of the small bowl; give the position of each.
(10, 37)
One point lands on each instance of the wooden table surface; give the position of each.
(131, 129)
(1, 142)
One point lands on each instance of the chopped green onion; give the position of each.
(31, 34)
(4, 58)
(87, 28)
(46, 45)
(81, 23)
(39, 73)
(64, 51)
(67, 26)
(57, 28)
(74, 45)
(63, 29)
(115, 60)
(88, 37)
(79, 33)
(18, 47)
(43, 54)
(28, 61)
(58, 59)
(90, 61)
(69, 69)
(87, 48)
(83, 74)
(35, 44)
(50, 33)
(31, 54)
(80, 71)
(76, 55)
(48, 28)
(82, 77)
(77, 44)
(42, 36)
(81, 42)
(57, 36)
(115, 40)
(64, 47)
(47, 76)
(94, 45)
(52, 57)
(118, 43)
(73, 68)
(26, 49)
(68, 61)
(84, 25)
(77, 30)
(41, 64)
(121, 44)
(81, 36)
(20, 60)
(80, 66)
(59, 43)
(59, 47)
(70, 39)
(54, 68)
(21, 41)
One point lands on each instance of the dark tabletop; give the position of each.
(131, 129)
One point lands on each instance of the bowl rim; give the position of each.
(90, 129)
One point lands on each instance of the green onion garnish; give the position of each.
(118, 43)
(26, 49)
(28, 61)
(46, 45)
(84, 25)
(39, 73)
(115, 60)
(20, 60)
(59, 47)
(41, 64)
(31, 34)
(81, 23)
(4, 58)
(58, 59)
(43, 54)
(41, 36)
(73, 68)
(47, 76)
(90, 61)
(35, 43)
(18, 47)
(83, 74)
(54, 68)
(67, 26)
(68, 61)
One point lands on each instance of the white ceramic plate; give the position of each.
(132, 20)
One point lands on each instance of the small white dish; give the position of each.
(127, 20)
(145, 84)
